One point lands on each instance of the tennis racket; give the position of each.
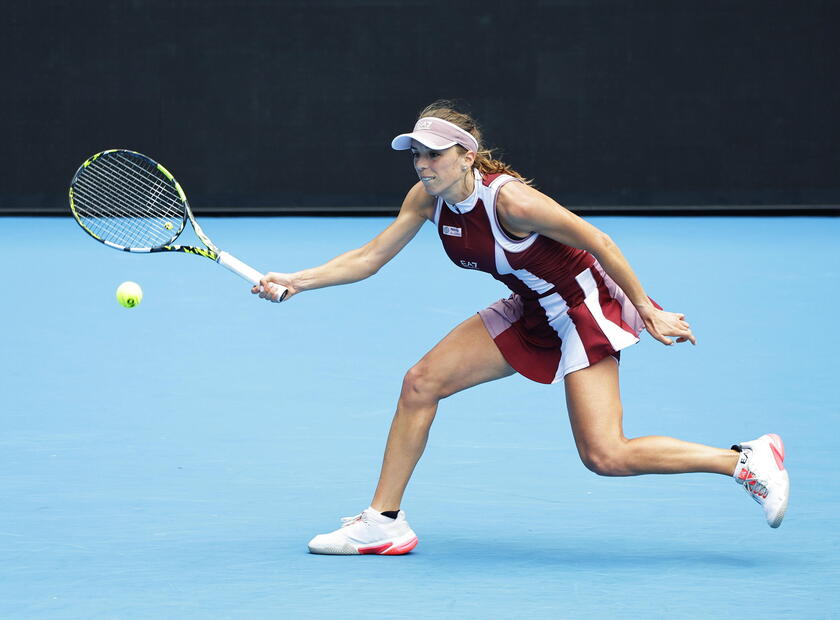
(131, 203)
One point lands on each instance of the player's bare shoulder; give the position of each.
(523, 209)
(418, 201)
(517, 206)
(517, 200)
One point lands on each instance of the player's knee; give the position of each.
(604, 459)
(422, 385)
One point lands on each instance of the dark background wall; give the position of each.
(263, 105)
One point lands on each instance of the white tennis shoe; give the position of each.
(761, 471)
(367, 533)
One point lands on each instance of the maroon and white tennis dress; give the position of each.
(565, 313)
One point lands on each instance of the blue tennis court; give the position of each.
(173, 460)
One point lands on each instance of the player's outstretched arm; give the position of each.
(362, 262)
(527, 210)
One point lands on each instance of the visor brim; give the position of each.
(433, 141)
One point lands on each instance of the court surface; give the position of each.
(173, 460)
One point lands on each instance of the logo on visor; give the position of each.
(423, 124)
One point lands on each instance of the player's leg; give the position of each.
(467, 356)
(594, 404)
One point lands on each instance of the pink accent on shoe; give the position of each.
(375, 550)
(389, 549)
(404, 548)
(777, 442)
(778, 449)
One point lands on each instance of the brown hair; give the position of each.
(484, 160)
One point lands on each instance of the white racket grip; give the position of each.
(248, 273)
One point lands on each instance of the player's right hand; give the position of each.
(266, 288)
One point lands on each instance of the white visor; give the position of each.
(435, 133)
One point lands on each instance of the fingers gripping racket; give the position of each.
(131, 203)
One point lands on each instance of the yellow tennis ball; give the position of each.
(168, 226)
(129, 294)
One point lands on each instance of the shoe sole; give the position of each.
(389, 548)
(777, 520)
(777, 448)
(399, 546)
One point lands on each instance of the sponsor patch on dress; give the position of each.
(452, 231)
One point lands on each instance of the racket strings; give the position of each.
(105, 215)
(131, 188)
(106, 187)
(163, 189)
(127, 192)
(117, 216)
(127, 204)
(149, 174)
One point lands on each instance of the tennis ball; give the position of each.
(168, 226)
(129, 294)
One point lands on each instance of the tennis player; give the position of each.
(575, 304)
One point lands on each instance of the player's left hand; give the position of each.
(663, 325)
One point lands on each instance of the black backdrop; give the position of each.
(282, 105)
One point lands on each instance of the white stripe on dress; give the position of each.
(572, 352)
(489, 200)
(438, 206)
(619, 339)
(528, 279)
(629, 314)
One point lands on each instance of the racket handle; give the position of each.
(249, 273)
